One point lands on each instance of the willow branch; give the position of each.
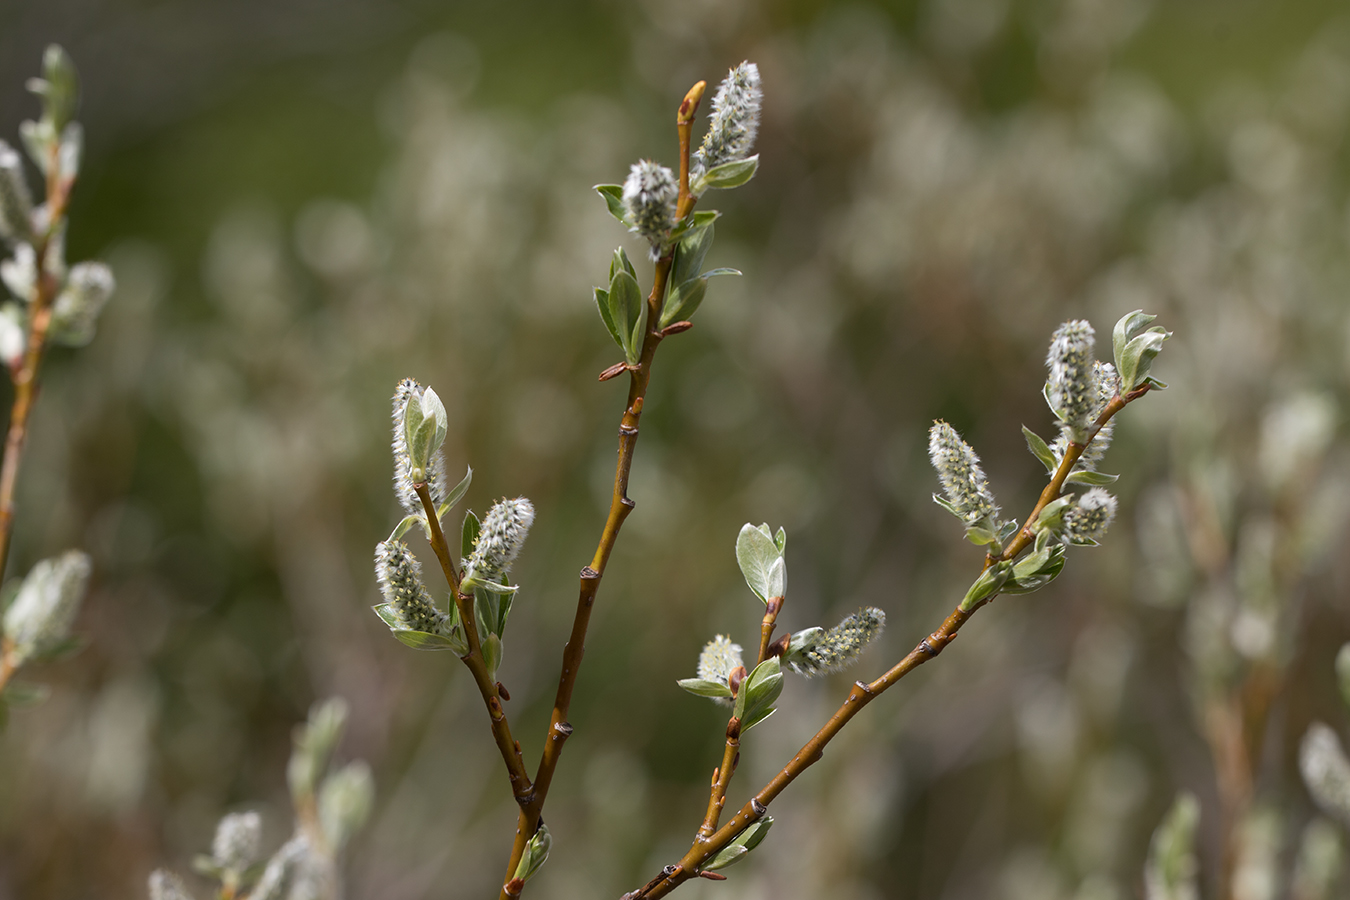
(7, 665)
(501, 728)
(25, 374)
(559, 729)
(862, 694)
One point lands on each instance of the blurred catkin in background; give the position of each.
(303, 205)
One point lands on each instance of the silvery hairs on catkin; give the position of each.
(958, 468)
(649, 195)
(839, 647)
(400, 577)
(735, 119)
(500, 538)
(1070, 389)
(403, 482)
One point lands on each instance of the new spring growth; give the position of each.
(817, 651)
(963, 481)
(77, 307)
(499, 540)
(235, 848)
(536, 853)
(165, 885)
(281, 872)
(38, 621)
(1070, 390)
(1170, 873)
(732, 129)
(1106, 385)
(314, 743)
(344, 803)
(1326, 771)
(649, 197)
(1086, 521)
(420, 427)
(400, 578)
(16, 203)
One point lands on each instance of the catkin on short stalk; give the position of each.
(839, 647)
(40, 617)
(649, 196)
(500, 538)
(400, 577)
(958, 468)
(719, 658)
(1086, 521)
(735, 120)
(1070, 387)
(16, 203)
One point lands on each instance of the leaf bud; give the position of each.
(536, 853)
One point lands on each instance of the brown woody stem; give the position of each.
(717, 797)
(862, 694)
(619, 508)
(501, 728)
(25, 374)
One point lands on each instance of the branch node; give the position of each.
(759, 808)
(503, 692)
(589, 574)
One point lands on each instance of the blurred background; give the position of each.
(305, 201)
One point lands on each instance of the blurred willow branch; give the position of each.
(55, 305)
(711, 840)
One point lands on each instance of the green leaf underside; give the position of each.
(1040, 449)
(730, 174)
(613, 195)
(756, 552)
(627, 312)
(386, 612)
(1094, 478)
(468, 534)
(422, 640)
(602, 303)
(456, 493)
(406, 524)
(701, 687)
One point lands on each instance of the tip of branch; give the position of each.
(689, 105)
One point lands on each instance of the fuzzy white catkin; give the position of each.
(735, 119)
(649, 196)
(408, 390)
(400, 578)
(1326, 771)
(41, 615)
(1070, 388)
(1087, 520)
(238, 841)
(165, 885)
(16, 203)
(75, 313)
(839, 647)
(500, 538)
(719, 658)
(958, 468)
(280, 874)
(1106, 384)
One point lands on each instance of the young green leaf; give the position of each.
(1040, 449)
(701, 687)
(613, 195)
(602, 304)
(456, 493)
(468, 534)
(422, 640)
(727, 175)
(756, 553)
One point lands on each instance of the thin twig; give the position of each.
(25, 375)
(772, 607)
(501, 728)
(619, 508)
(862, 694)
(717, 796)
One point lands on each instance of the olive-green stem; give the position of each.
(862, 694)
(501, 728)
(559, 729)
(25, 374)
